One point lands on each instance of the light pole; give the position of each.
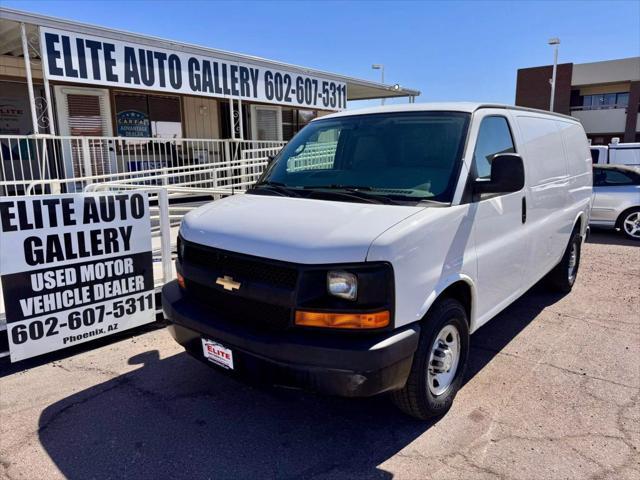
(379, 66)
(555, 42)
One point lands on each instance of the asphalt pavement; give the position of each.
(551, 393)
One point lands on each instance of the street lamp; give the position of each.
(555, 42)
(379, 66)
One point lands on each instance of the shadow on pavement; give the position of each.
(178, 418)
(8, 368)
(610, 237)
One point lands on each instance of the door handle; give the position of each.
(524, 209)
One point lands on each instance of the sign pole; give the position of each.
(47, 91)
(27, 67)
(232, 123)
(240, 118)
(165, 234)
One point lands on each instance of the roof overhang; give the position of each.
(10, 44)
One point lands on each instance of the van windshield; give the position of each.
(406, 156)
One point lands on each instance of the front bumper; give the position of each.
(349, 365)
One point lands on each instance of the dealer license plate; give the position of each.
(218, 354)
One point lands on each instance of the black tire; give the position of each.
(416, 398)
(560, 279)
(624, 216)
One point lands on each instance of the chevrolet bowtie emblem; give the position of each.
(228, 283)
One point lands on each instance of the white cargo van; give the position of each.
(616, 154)
(376, 242)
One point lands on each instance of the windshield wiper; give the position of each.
(338, 186)
(354, 191)
(278, 187)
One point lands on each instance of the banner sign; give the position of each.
(74, 267)
(80, 58)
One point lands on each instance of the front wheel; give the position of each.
(629, 223)
(438, 364)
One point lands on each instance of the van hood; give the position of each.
(292, 229)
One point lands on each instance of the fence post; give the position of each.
(227, 151)
(165, 235)
(86, 158)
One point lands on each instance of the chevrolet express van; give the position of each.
(376, 242)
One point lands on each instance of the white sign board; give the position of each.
(79, 58)
(74, 268)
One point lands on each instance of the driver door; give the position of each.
(499, 225)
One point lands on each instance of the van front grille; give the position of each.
(236, 309)
(241, 267)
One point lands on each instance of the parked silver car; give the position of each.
(616, 199)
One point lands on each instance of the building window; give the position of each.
(622, 99)
(15, 113)
(147, 116)
(602, 101)
(294, 120)
(266, 123)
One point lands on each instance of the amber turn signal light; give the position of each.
(342, 320)
(181, 281)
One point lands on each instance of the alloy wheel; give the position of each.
(631, 224)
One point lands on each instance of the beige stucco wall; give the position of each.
(14, 67)
(609, 88)
(201, 117)
(602, 121)
(612, 71)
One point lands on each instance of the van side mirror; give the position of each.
(507, 175)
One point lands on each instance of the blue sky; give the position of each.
(461, 50)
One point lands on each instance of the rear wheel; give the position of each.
(563, 276)
(629, 223)
(438, 364)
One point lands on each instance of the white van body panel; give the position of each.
(429, 251)
(292, 229)
(558, 177)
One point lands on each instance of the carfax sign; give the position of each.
(80, 58)
(74, 268)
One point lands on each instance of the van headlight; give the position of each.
(342, 284)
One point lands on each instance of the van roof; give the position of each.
(468, 107)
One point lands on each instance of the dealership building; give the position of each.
(604, 96)
(113, 102)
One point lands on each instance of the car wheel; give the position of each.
(563, 276)
(629, 223)
(439, 362)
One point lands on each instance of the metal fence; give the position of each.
(314, 156)
(36, 165)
